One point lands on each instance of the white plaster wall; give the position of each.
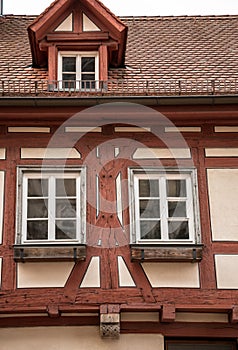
(175, 275)
(223, 194)
(201, 317)
(125, 278)
(92, 275)
(221, 152)
(88, 25)
(183, 129)
(140, 316)
(28, 129)
(226, 128)
(150, 153)
(51, 153)
(2, 180)
(66, 25)
(226, 271)
(0, 274)
(43, 274)
(2, 153)
(74, 338)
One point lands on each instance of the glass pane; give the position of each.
(37, 208)
(177, 209)
(37, 229)
(68, 77)
(69, 64)
(37, 188)
(65, 208)
(65, 187)
(178, 230)
(149, 208)
(150, 230)
(176, 188)
(65, 229)
(148, 188)
(88, 64)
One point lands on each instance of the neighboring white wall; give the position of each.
(170, 153)
(43, 274)
(223, 195)
(92, 275)
(49, 153)
(226, 271)
(2, 180)
(74, 338)
(201, 317)
(173, 274)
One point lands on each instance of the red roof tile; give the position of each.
(171, 48)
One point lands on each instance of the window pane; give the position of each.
(65, 229)
(37, 229)
(177, 209)
(178, 230)
(69, 64)
(65, 208)
(65, 187)
(37, 187)
(150, 230)
(148, 188)
(67, 77)
(176, 188)
(37, 208)
(88, 64)
(149, 208)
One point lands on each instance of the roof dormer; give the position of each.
(77, 39)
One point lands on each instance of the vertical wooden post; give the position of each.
(103, 63)
(52, 64)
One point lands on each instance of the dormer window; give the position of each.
(78, 70)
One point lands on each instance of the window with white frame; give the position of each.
(51, 206)
(164, 206)
(78, 70)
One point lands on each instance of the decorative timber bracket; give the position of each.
(110, 321)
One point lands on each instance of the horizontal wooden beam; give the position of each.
(49, 253)
(78, 36)
(166, 253)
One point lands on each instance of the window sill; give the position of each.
(49, 252)
(166, 252)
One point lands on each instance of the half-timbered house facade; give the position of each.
(118, 180)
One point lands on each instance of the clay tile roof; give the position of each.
(185, 47)
(181, 47)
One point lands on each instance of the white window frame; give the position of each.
(135, 174)
(51, 174)
(78, 55)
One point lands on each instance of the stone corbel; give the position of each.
(109, 324)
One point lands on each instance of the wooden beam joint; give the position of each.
(168, 313)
